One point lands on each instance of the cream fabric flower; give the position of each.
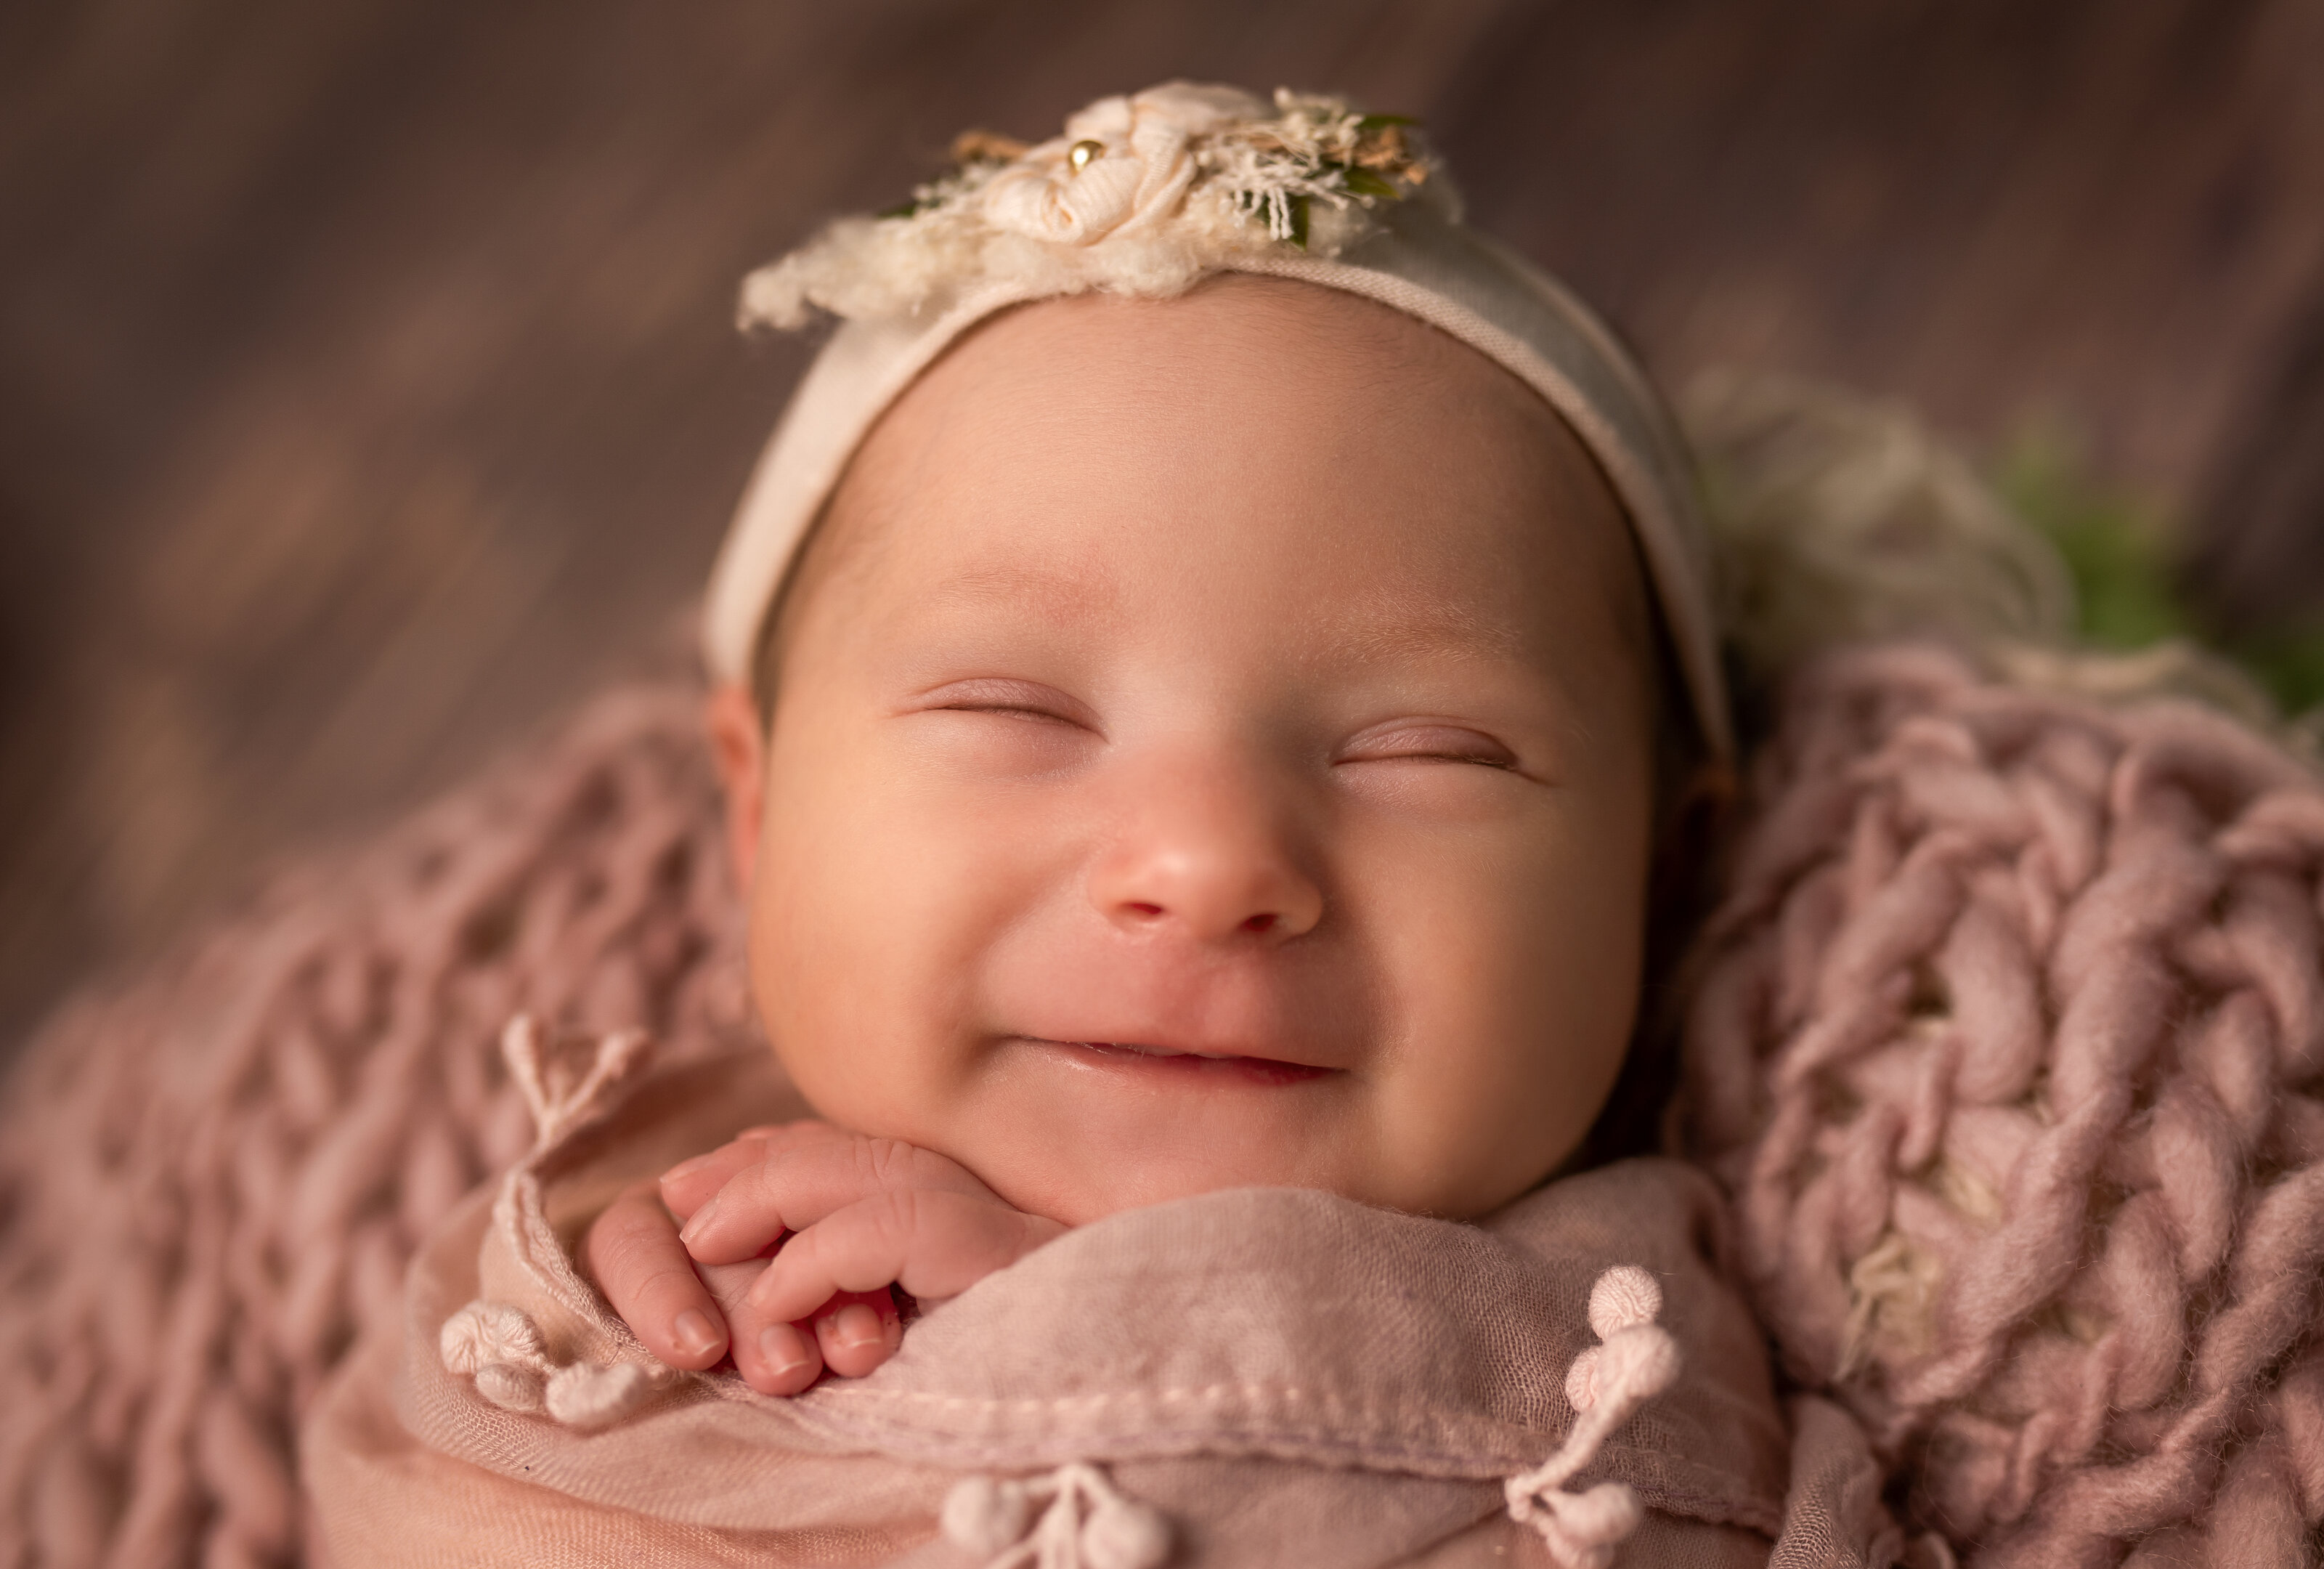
(1134, 171)
(1141, 195)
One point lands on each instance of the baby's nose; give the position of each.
(1209, 864)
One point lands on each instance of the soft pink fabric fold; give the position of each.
(1285, 1375)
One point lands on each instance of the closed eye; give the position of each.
(1429, 743)
(1007, 699)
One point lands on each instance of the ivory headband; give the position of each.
(1147, 195)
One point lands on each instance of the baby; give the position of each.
(1208, 740)
(1208, 675)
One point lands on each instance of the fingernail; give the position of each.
(701, 1218)
(780, 1348)
(693, 1333)
(686, 1168)
(856, 1325)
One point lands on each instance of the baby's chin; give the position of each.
(1079, 1130)
(1079, 1186)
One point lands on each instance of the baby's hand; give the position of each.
(863, 1214)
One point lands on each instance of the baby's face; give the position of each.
(1213, 747)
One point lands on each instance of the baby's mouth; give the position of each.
(1139, 1057)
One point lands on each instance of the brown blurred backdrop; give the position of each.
(367, 390)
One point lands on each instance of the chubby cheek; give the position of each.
(876, 897)
(1516, 972)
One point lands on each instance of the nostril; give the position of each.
(1148, 910)
(1259, 923)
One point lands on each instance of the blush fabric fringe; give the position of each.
(2006, 1044)
(210, 1180)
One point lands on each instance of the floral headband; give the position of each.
(1147, 195)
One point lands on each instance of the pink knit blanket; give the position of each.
(2005, 1044)
(212, 1179)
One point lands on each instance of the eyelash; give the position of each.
(1007, 711)
(1504, 763)
(1499, 758)
(1499, 765)
(1007, 699)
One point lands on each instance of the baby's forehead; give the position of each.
(1331, 459)
(1077, 353)
(1241, 379)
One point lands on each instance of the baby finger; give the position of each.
(858, 1331)
(688, 1184)
(812, 1170)
(633, 1252)
(934, 1244)
(774, 1357)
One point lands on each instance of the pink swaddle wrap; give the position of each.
(1255, 1377)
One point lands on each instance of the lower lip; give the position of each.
(1187, 1067)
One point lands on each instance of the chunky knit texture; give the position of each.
(2007, 1045)
(211, 1180)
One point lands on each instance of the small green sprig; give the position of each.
(2124, 554)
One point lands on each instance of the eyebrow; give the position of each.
(1383, 631)
(1391, 631)
(1062, 593)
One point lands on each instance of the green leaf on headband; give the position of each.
(908, 207)
(1298, 204)
(1364, 182)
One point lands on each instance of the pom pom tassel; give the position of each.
(501, 1348)
(1636, 1361)
(1088, 1524)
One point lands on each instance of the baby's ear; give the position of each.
(1696, 811)
(740, 747)
(1704, 802)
